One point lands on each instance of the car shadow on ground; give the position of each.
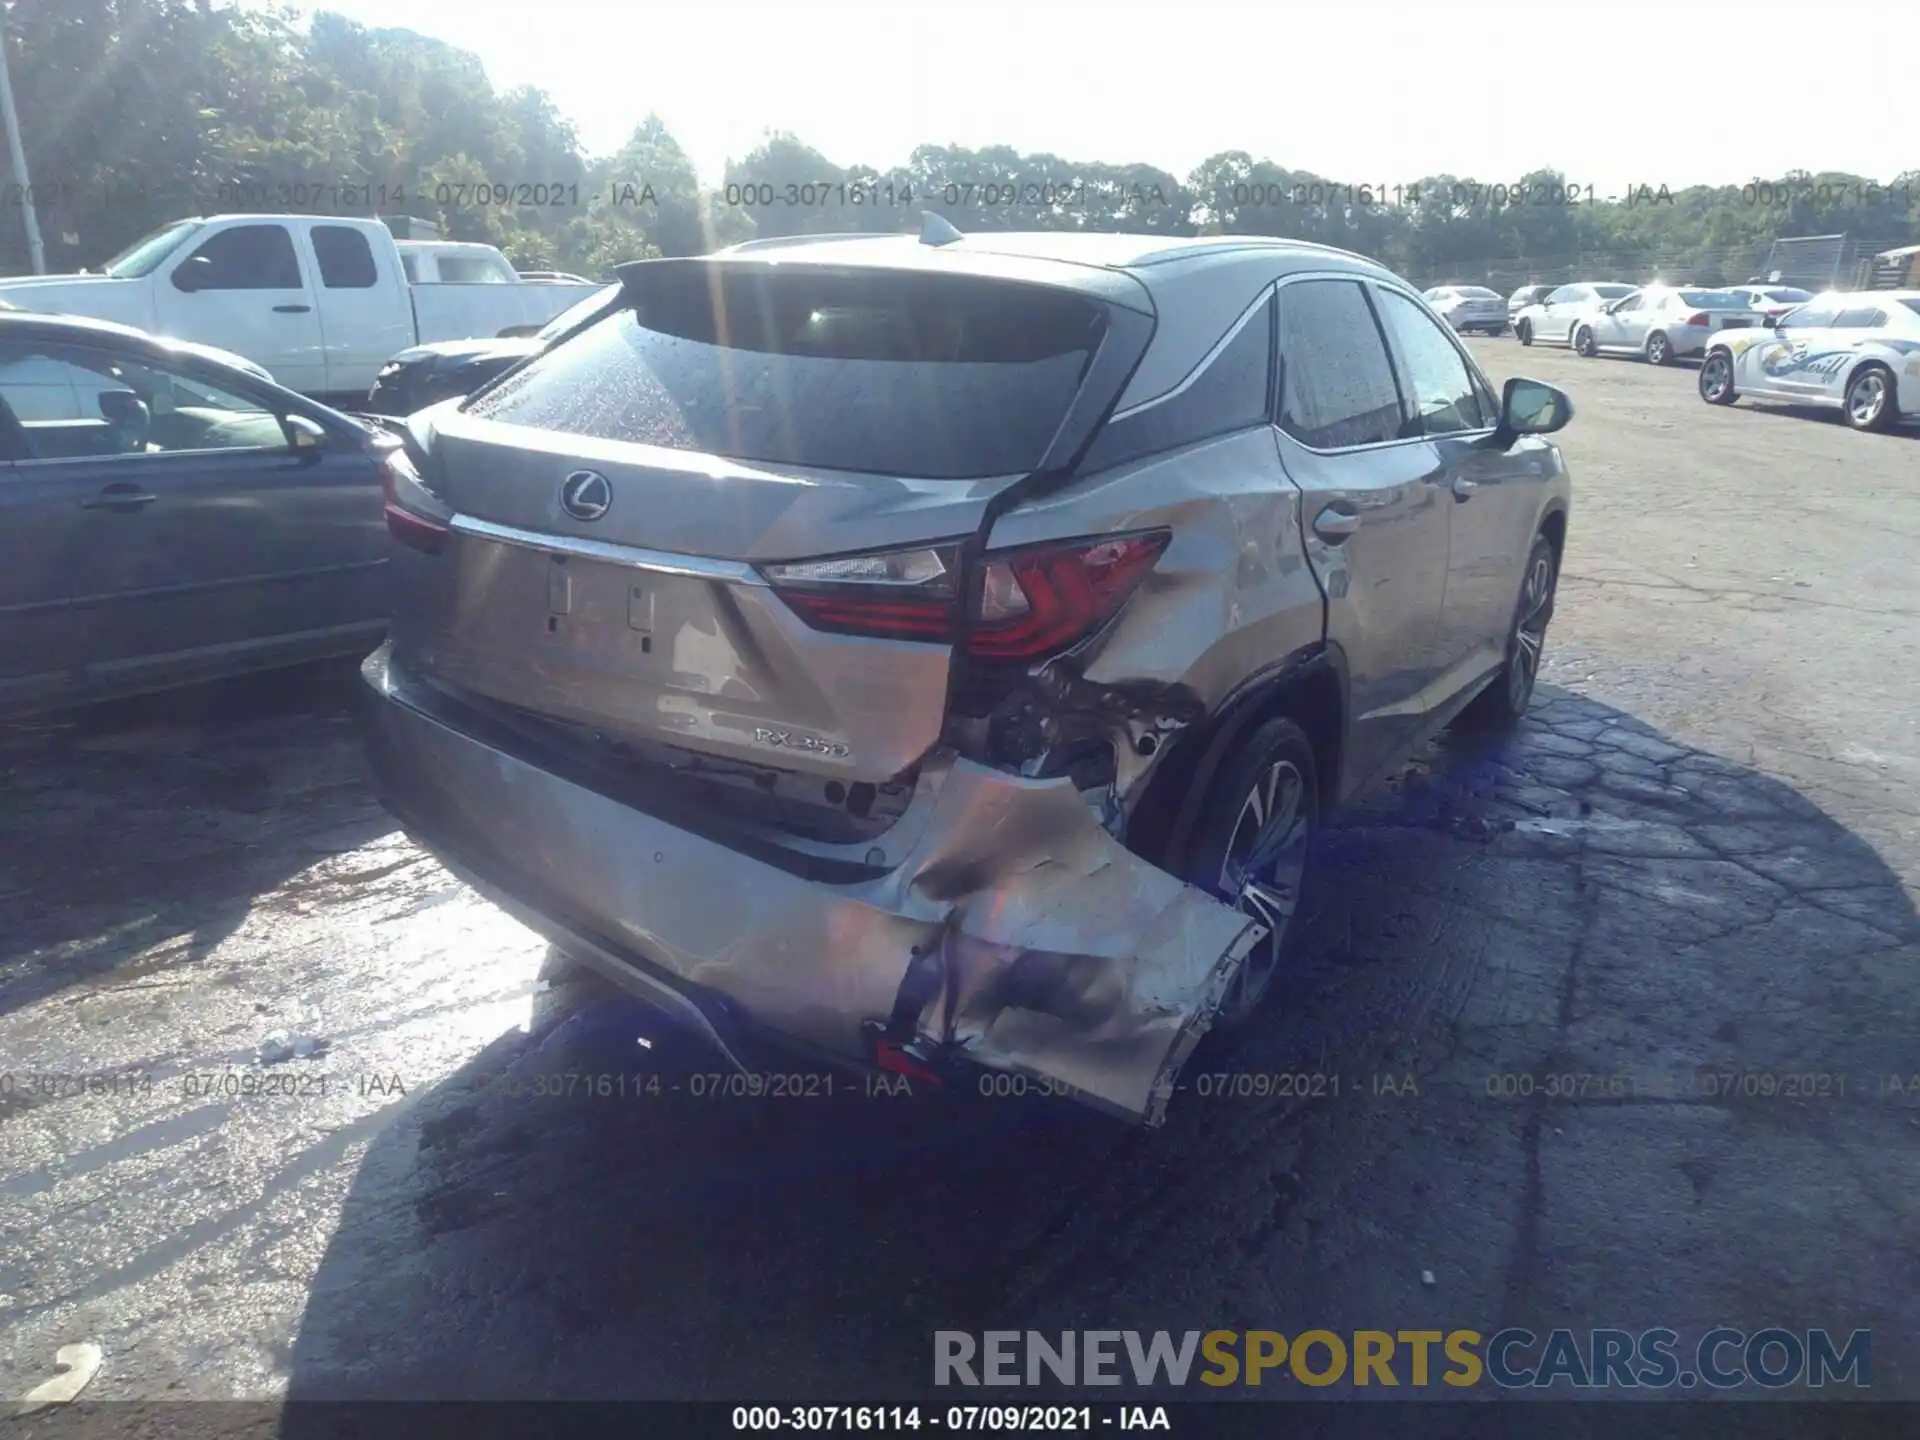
(1587, 893)
(1907, 429)
(136, 835)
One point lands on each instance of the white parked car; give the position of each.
(1661, 323)
(1772, 301)
(1469, 307)
(1858, 354)
(1552, 320)
(321, 301)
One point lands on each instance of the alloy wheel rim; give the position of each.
(1714, 377)
(1869, 394)
(1658, 351)
(1530, 631)
(1264, 865)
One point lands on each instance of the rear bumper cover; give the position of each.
(1015, 933)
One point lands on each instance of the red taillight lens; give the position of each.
(406, 525)
(1035, 601)
(1699, 319)
(1068, 590)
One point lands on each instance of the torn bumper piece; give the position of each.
(1013, 934)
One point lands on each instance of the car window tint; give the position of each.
(1815, 315)
(1564, 294)
(75, 401)
(248, 257)
(1863, 317)
(931, 376)
(346, 260)
(1432, 369)
(1336, 382)
(1230, 394)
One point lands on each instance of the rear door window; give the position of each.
(1336, 382)
(346, 259)
(923, 376)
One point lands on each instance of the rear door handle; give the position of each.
(122, 495)
(1463, 488)
(1335, 525)
(291, 309)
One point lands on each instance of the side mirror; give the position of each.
(193, 275)
(307, 436)
(1530, 407)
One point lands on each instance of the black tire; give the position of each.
(1659, 348)
(1278, 751)
(1523, 332)
(1873, 399)
(1496, 331)
(1583, 342)
(1501, 705)
(1716, 378)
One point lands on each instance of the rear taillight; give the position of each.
(1035, 601)
(400, 484)
(1701, 319)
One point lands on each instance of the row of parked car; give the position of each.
(1857, 353)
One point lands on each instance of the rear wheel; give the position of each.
(1871, 402)
(1659, 349)
(1523, 332)
(1716, 378)
(1250, 849)
(1583, 342)
(1505, 700)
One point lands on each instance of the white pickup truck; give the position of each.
(321, 301)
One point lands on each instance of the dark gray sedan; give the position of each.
(167, 516)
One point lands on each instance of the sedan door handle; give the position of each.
(121, 496)
(1463, 488)
(1335, 525)
(291, 309)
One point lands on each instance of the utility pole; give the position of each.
(17, 153)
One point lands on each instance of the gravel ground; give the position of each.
(1689, 879)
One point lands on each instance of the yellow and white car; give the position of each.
(1855, 353)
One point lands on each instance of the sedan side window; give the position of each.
(1865, 317)
(1812, 316)
(1432, 370)
(73, 402)
(1336, 382)
(1566, 294)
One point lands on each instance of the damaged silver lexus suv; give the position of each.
(937, 652)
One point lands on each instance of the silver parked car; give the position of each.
(939, 652)
(1772, 301)
(1661, 323)
(1551, 320)
(1523, 297)
(1469, 307)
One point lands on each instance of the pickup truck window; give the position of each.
(469, 270)
(250, 257)
(346, 260)
(143, 257)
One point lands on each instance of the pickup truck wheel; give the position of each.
(1505, 700)
(1250, 849)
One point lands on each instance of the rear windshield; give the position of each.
(1789, 296)
(1913, 305)
(1714, 300)
(1475, 292)
(925, 376)
(1613, 292)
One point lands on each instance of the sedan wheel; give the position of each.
(1659, 349)
(1251, 848)
(1716, 379)
(1523, 332)
(1583, 343)
(1870, 403)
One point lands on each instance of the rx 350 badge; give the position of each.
(794, 740)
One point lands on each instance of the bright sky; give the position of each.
(1613, 92)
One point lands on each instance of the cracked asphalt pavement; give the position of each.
(295, 1142)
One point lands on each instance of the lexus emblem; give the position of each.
(586, 495)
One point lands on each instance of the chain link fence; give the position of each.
(1812, 262)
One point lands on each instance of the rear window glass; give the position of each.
(1913, 305)
(1613, 292)
(1789, 296)
(929, 377)
(1714, 300)
(1475, 292)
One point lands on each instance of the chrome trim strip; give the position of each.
(1193, 376)
(660, 562)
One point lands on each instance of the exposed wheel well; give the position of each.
(1162, 822)
(1554, 527)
